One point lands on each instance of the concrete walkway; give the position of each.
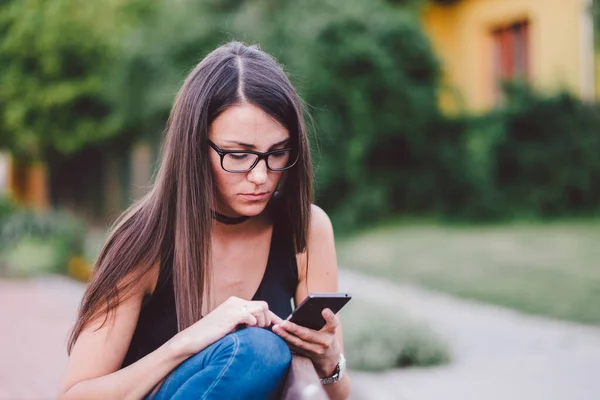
(35, 317)
(498, 353)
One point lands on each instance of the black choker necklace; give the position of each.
(224, 219)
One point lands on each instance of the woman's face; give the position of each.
(245, 127)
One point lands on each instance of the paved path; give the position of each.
(35, 317)
(498, 353)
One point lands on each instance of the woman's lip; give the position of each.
(255, 196)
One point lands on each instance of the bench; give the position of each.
(302, 382)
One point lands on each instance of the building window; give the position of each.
(511, 55)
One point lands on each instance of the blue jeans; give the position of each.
(250, 363)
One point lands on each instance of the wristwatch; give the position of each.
(338, 373)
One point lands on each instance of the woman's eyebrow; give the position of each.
(253, 147)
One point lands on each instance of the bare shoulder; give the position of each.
(319, 254)
(136, 284)
(320, 224)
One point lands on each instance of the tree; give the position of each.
(55, 58)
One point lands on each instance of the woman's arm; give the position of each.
(132, 382)
(93, 368)
(322, 276)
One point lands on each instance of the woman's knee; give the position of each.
(264, 348)
(256, 348)
(253, 359)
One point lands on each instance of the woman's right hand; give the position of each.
(230, 315)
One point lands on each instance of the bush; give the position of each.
(548, 162)
(538, 156)
(376, 339)
(373, 79)
(7, 207)
(32, 242)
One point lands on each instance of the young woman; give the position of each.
(194, 274)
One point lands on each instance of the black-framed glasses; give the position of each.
(246, 160)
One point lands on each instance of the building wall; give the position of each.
(26, 183)
(461, 36)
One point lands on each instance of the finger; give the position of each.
(256, 309)
(261, 313)
(295, 341)
(331, 320)
(260, 318)
(298, 350)
(247, 317)
(267, 317)
(275, 318)
(249, 320)
(306, 334)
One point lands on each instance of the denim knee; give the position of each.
(265, 348)
(252, 360)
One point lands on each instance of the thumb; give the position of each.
(330, 318)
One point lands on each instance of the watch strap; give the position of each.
(338, 373)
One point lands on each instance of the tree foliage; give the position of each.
(54, 63)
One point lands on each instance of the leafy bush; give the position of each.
(536, 156)
(32, 242)
(376, 339)
(549, 160)
(7, 207)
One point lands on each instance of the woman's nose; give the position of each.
(258, 174)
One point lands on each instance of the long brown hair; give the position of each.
(173, 221)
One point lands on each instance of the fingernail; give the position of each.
(328, 313)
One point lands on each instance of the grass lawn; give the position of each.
(551, 269)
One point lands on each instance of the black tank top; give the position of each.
(157, 321)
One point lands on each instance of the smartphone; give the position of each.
(308, 313)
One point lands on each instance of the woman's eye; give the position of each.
(279, 154)
(238, 156)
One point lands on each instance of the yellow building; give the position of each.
(548, 43)
(24, 183)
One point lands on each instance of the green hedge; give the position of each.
(33, 243)
(7, 208)
(538, 156)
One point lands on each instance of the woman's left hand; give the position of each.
(321, 347)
